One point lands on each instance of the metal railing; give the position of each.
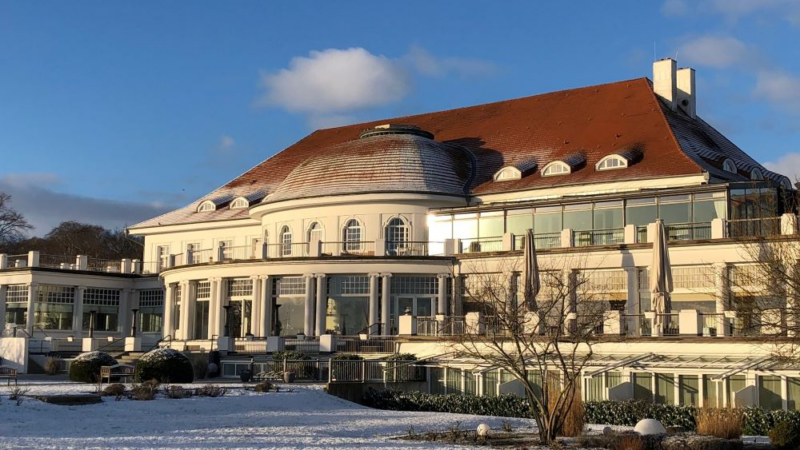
(201, 256)
(413, 249)
(56, 261)
(371, 345)
(598, 237)
(242, 252)
(641, 234)
(302, 345)
(761, 227)
(712, 323)
(688, 231)
(450, 326)
(104, 265)
(18, 260)
(375, 371)
(303, 370)
(347, 248)
(482, 245)
(671, 324)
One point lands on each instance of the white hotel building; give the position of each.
(349, 228)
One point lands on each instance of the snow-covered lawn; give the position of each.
(305, 418)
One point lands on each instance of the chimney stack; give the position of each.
(664, 81)
(687, 95)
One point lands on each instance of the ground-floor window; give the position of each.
(689, 390)
(348, 305)
(665, 388)
(201, 317)
(151, 310)
(454, 381)
(711, 392)
(17, 304)
(643, 386)
(491, 379)
(769, 392)
(735, 384)
(793, 393)
(290, 317)
(104, 303)
(53, 307)
(437, 380)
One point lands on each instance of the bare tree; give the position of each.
(544, 346)
(12, 223)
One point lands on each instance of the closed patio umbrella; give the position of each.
(660, 276)
(531, 274)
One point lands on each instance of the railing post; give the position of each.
(330, 370)
(125, 266)
(82, 262)
(788, 223)
(717, 229)
(566, 238)
(284, 365)
(188, 256)
(33, 258)
(136, 266)
(380, 247)
(3, 261)
(363, 371)
(508, 242)
(629, 234)
(264, 249)
(170, 261)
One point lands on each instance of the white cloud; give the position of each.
(718, 52)
(788, 164)
(321, 121)
(33, 196)
(738, 8)
(333, 80)
(427, 64)
(226, 144)
(674, 8)
(779, 87)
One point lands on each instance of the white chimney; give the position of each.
(664, 83)
(687, 94)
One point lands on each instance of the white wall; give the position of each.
(15, 353)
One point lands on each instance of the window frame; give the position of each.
(547, 170)
(206, 206)
(623, 163)
(352, 228)
(240, 203)
(404, 228)
(286, 246)
(729, 166)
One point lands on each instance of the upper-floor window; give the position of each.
(756, 174)
(351, 235)
(315, 232)
(507, 173)
(240, 203)
(611, 162)
(286, 241)
(556, 168)
(396, 234)
(206, 206)
(729, 166)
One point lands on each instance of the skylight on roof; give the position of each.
(729, 166)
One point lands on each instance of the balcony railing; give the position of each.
(598, 237)
(56, 261)
(641, 234)
(482, 245)
(688, 231)
(762, 227)
(345, 248)
(449, 326)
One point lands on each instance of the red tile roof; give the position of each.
(589, 122)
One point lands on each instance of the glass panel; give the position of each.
(613, 379)
(151, 319)
(578, 217)
(466, 227)
(405, 306)
(675, 212)
(608, 218)
(491, 379)
(642, 389)
(53, 316)
(706, 211)
(291, 314)
(735, 384)
(641, 211)
(547, 220)
(665, 388)
(769, 393)
(440, 228)
(794, 393)
(491, 225)
(201, 319)
(595, 388)
(689, 390)
(740, 209)
(347, 315)
(518, 222)
(424, 307)
(454, 381)
(710, 395)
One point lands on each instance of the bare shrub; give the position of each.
(211, 390)
(178, 392)
(143, 391)
(264, 386)
(724, 423)
(17, 394)
(114, 390)
(629, 442)
(52, 366)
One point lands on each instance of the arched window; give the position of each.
(396, 235)
(351, 236)
(240, 203)
(286, 241)
(556, 168)
(786, 184)
(756, 174)
(611, 162)
(315, 232)
(206, 206)
(729, 166)
(507, 173)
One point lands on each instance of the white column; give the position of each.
(632, 302)
(125, 311)
(31, 303)
(3, 296)
(169, 307)
(77, 312)
(218, 296)
(308, 323)
(721, 285)
(265, 312)
(255, 312)
(374, 304)
(442, 299)
(386, 299)
(183, 318)
(188, 305)
(322, 303)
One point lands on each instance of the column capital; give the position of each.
(193, 282)
(386, 275)
(308, 275)
(442, 275)
(373, 274)
(261, 277)
(320, 275)
(184, 283)
(33, 284)
(80, 288)
(720, 265)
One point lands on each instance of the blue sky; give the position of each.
(111, 112)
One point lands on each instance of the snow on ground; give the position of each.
(307, 418)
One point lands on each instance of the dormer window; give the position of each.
(207, 206)
(611, 162)
(556, 168)
(729, 166)
(240, 203)
(786, 183)
(508, 173)
(756, 174)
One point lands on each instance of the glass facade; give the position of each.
(105, 305)
(289, 295)
(151, 310)
(53, 307)
(348, 304)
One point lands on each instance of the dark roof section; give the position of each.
(593, 121)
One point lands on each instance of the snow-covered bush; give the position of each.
(165, 365)
(85, 368)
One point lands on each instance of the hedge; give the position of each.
(85, 367)
(165, 365)
(757, 422)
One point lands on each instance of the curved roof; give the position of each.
(380, 163)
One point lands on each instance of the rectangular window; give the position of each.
(709, 206)
(642, 386)
(736, 383)
(578, 217)
(201, 314)
(675, 209)
(290, 286)
(490, 224)
(595, 388)
(176, 316)
(547, 220)
(491, 379)
(105, 304)
(665, 388)
(794, 393)
(712, 391)
(53, 307)
(151, 310)
(415, 285)
(465, 226)
(240, 287)
(689, 389)
(641, 211)
(769, 393)
(608, 215)
(454, 381)
(519, 221)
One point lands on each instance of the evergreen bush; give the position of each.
(85, 368)
(165, 365)
(785, 435)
